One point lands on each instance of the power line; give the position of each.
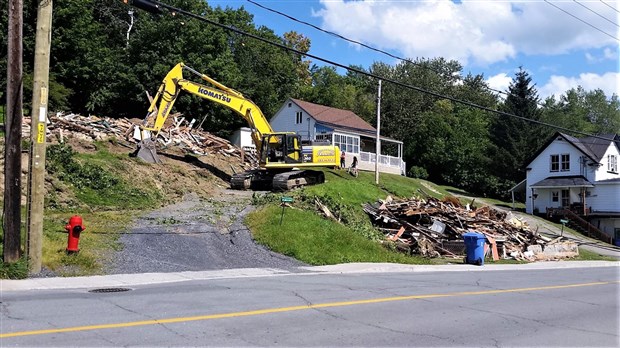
(539, 103)
(596, 13)
(356, 42)
(155, 6)
(608, 5)
(581, 20)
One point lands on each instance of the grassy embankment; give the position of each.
(307, 236)
(97, 187)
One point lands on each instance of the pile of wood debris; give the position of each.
(177, 132)
(433, 227)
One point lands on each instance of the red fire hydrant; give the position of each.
(74, 228)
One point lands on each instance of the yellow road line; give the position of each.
(290, 309)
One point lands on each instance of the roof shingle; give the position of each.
(334, 117)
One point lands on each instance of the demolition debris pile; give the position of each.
(177, 132)
(433, 227)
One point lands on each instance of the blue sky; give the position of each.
(487, 37)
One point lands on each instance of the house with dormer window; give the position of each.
(577, 177)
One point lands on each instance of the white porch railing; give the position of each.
(384, 160)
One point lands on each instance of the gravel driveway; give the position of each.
(195, 235)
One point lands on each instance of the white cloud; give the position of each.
(607, 54)
(499, 82)
(558, 85)
(481, 32)
(610, 54)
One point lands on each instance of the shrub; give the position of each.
(417, 172)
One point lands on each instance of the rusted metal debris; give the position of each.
(433, 227)
(176, 132)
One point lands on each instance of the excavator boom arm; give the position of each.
(174, 82)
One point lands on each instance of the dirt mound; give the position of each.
(178, 175)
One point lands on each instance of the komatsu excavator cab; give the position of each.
(281, 148)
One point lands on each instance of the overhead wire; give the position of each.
(539, 103)
(356, 42)
(581, 20)
(362, 72)
(596, 13)
(608, 5)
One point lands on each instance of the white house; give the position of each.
(580, 175)
(354, 136)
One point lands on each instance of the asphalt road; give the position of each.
(330, 306)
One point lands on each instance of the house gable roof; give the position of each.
(334, 117)
(593, 147)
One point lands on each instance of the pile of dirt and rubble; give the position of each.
(433, 227)
(177, 132)
(198, 161)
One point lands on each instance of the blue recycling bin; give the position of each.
(474, 248)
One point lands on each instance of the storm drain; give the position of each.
(106, 290)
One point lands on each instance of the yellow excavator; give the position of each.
(282, 158)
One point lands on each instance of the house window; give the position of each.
(555, 196)
(612, 163)
(555, 163)
(298, 117)
(347, 143)
(565, 198)
(565, 163)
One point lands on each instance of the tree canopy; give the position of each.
(102, 64)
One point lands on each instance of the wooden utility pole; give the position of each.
(13, 138)
(378, 150)
(36, 178)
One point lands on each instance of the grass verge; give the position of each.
(101, 235)
(587, 255)
(314, 240)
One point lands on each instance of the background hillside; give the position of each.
(96, 69)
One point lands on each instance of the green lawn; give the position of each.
(311, 238)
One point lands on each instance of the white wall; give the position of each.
(242, 137)
(606, 225)
(605, 197)
(284, 120)
(540, 168)
(602, 173)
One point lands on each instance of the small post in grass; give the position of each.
(563, 222)
(284, 200)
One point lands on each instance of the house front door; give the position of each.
(565, 198)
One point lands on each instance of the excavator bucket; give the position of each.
(147, 151)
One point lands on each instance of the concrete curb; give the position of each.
(129, 280)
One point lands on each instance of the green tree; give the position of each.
(584, 111)
(516, 139)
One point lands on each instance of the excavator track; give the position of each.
(241, 181)
(255, 179)
(297, 178)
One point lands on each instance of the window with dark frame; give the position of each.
(565, 162)
(299, 117)
(612, 163)
(555, 196)
(555, 163)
